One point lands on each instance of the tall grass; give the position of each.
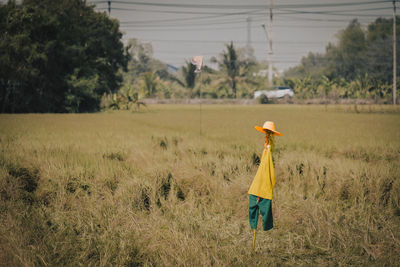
(145, 188)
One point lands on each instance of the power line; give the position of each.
(254, 13)
(262, 12)
(227, 7)
(189, 19)
(223, 41)
(218, 20)
(232, 21)
(163, 28)
(177, 11)
(333, 13)
(208, 23)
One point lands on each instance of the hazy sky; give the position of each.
(180, 29)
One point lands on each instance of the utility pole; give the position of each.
(394, 55)
(109, 7)
(270, 53)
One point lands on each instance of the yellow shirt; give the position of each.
(264, 181)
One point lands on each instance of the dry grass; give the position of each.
(144, 189)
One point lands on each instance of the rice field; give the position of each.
(146, 189)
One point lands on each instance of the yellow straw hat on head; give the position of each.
(268, 125)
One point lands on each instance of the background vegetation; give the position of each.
(360, 65)
(144, 188)
(57, 56)
(62, 56)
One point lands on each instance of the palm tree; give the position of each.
(189, 77)
(130, 98)
(231, 66)
(234, 68)
(150, 83)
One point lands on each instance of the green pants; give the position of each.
(264, 206)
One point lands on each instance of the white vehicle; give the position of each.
(278, 92)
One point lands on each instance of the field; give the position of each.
(144, 188)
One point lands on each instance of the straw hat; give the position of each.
(268, 125)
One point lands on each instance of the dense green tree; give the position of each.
(312, 65)
(360, 65)
(381, 28)
(379, 60)
(347, 58)
(57, 56)
(379, 54)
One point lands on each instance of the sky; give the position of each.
(181, 29)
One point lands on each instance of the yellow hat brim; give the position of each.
(263, 130)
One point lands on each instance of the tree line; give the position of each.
(63, 56)
(360, 65)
